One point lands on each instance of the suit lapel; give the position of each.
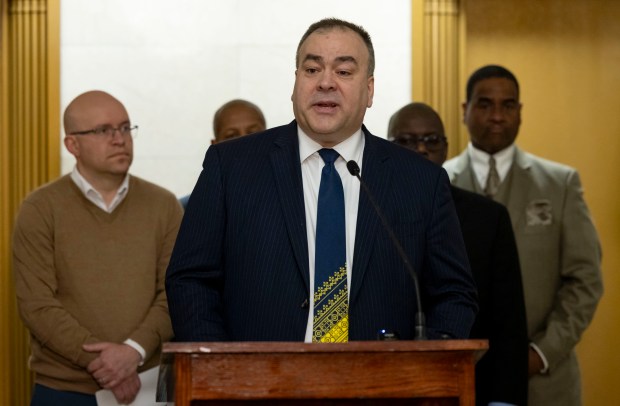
(287, 175)
(376, 174)
(463, 175)
(520, 188)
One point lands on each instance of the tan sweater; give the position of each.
(83, 275)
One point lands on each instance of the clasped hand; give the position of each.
(116, 369)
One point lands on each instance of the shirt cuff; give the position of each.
(542, 357)
(138, 348)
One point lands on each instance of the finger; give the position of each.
(128, 389)
(94, 347)
(126, 394)
(120, 399)
(132, 392)
(94, 365)
(102, 381)
(135, 386)
(120, 394)
(112, 382)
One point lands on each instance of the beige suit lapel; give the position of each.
(463, 174)
(520, 191)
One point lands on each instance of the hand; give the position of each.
(126, 391)
(115, 363)
(535, 363)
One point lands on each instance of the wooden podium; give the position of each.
(287, 373)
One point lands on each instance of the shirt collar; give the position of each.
(349, 149)
(480, 160)
(94, 196)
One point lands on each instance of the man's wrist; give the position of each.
(545, 363)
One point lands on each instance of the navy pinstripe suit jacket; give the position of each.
(239, 269)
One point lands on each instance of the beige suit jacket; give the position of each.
(560, 259)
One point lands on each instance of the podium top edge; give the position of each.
(299, 347)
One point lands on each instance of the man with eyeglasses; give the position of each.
(501, 375)
(558, 245)
(89, 254)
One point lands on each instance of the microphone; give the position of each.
(420, 320)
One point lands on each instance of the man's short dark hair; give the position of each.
(487, 72)
(329, 23)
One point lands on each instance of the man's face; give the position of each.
(238, 120)
(493, 115)
(332, 88)
(411, 131)
(101, 155)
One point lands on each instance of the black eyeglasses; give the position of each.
(432, 142)
(109, 131)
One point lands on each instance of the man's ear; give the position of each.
(72, 145)
(371, 91)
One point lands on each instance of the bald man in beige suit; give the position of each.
(558, 245)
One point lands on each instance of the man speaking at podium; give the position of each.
(281, 243)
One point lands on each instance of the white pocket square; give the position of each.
(539, 213)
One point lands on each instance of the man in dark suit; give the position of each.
(243, 267)
(501, 375)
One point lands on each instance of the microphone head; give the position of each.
(353, 168)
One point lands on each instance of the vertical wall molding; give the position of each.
(29, 154)
(438, 41)
(5, 213)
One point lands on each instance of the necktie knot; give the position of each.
(329, 155)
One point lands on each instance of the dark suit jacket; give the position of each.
(501, 375)
(239, 270)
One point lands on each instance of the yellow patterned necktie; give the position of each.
(331, 310)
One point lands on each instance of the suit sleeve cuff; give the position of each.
(138, 348)
(542, 357)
